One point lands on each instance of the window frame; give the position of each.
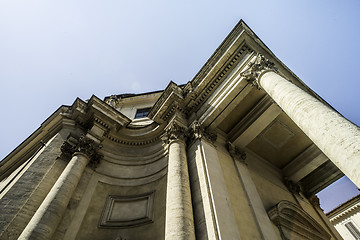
(142, 112)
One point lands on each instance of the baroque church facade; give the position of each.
(238, 152)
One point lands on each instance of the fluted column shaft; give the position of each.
(46, 219)
(179, 223)
(44, 222)
(338, 138)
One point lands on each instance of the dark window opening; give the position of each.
(141, 113)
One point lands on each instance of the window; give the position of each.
(353, 230)
(142, 112)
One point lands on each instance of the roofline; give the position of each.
(344, 205)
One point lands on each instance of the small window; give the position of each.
(353, 230)
(142, 112)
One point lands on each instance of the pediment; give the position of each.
(295, 223)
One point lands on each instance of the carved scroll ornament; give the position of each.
(174, 132)
(83, 145)
(236, 153)
(256, 68)
(197, 132)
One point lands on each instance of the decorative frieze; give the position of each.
(256, 68)
(176, 107)
(131, 143)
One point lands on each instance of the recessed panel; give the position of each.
(127, 211)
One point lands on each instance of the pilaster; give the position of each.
(263, 222)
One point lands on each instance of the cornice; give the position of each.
(105, 111)
(344, 210)
(80, 114)
(171, 97)
(219, 52)
(52, 125)
(197, 96)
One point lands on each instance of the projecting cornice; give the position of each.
(97, 110)
(345, 210)
(197, 92)
(170, 101)
(94, 117)
(233, 55)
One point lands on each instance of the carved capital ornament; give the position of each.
(113, 101)
(256, 68)
(315, 201)
(197, 132)
(82, 145)
(236, 153)
(173, 133)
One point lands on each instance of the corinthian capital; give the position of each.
(174, 132)
(260, 65)
(83, 145)
(236, 153)
(315, 201)
(197, 132)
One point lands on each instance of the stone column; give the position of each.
(335, 136)
(179, 223)
(46, 219)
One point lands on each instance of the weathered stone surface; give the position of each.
(25, 196)
(190, 186)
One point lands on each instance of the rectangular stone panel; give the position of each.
(127, 211)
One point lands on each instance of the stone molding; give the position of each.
(131, 143)
(197, 96)
(82, 145)
(345, 210)
(175, 132)
(218, 53)
(256, 68)
(175, 107)
(295, 223)
(128, 211)
(172, 94)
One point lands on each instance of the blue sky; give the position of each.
(54, 51)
